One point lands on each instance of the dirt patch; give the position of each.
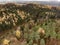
(52, 41)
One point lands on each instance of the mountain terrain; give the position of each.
(29, 24)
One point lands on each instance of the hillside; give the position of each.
(37, 24)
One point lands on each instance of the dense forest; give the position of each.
(29, 24)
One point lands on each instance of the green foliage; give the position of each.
(58, 35)
(31, 35)
(42, 42)
(50, 29)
